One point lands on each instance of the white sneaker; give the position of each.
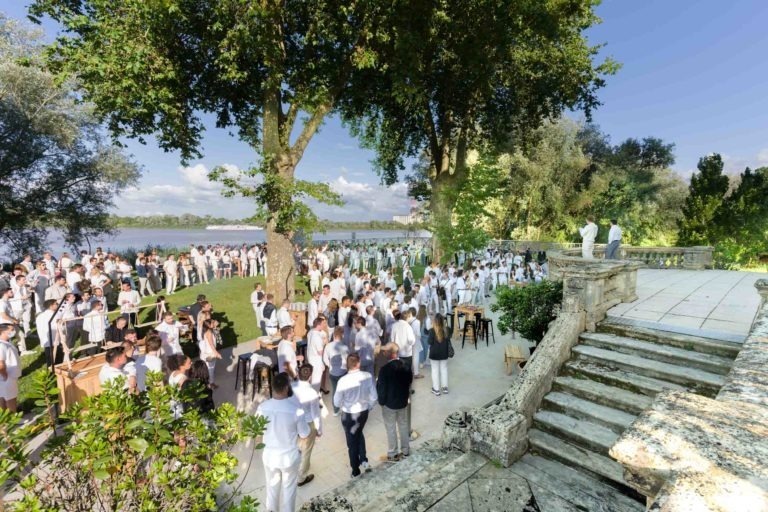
(365, 466)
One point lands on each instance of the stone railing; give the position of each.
(689, 452)
(690, 258)
(500, 430)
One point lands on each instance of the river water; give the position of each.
(139, 238)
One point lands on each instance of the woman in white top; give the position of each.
(215, 257)
(177, 364)
(226, 263)
(314, 279)
(208, 352)
(65, 263)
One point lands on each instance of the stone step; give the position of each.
(608, 470)
(579, 432)
(413, 484)
(586, 410)
(718, 347)
(617, 378)
(658, 352)
(603, 394)
(358, 491)
(574, 486)
(699, 381)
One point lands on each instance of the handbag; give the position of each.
(451, 353)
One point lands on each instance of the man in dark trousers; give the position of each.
(393, 388)
(355, 396)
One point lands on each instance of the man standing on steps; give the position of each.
(355, 396)
(394, 390)
(286, 428)
(588, 236)
(614, 241)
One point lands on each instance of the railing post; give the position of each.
(697, 258)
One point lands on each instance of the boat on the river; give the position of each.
(233, 227)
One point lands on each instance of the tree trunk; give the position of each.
(281, 271)
(441, 206)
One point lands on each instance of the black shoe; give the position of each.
(355, 475)
(309, 478)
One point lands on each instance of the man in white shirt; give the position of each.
(286, 353)
(257, 298)
(94, 324)
(46, 334)
(402, 334)
(346, 305)
(58, 289)
(269, 316)
(281, 456)
(310, 403)
(588, 236)
(129, 301)
(317, 338)
(171, 268)
(170, 331)
(325, 298)
(114, 367)
(149, 362)
(284, 316)
(614, 241)
(355, 396)
(313, 308)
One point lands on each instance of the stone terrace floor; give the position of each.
(705, 303)
(475, 377)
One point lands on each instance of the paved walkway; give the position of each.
(476, 377)
(708, 302)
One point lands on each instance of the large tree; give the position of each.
(55, 170)
(706, 193)
(271, 69)
(466, 73)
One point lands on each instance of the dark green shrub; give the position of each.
(528, 309)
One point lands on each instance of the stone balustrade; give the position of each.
(689, 452)
(689, 258)
(500, 430)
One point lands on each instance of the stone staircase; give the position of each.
(612, 376)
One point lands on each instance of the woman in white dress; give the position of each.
(208, 352)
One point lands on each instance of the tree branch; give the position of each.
(310, 128)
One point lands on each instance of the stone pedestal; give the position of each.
(762, 289)
(697, 258)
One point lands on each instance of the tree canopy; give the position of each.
(462, 74)
(56, 170)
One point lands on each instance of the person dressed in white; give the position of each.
(129, 301)
(317, 338)
(208, 352)
(402, 334)
(171, 269)
(257, 299)
(46, 329)
(149, 362)
(94, 323)
(310, 403)
(355, 396)
(116, 366)
(588, 236)
(170, 331)
(415, 324)
(281, 456)
(286, 353)
(10, 368)
(313, 308)
(284, 316)
(614, 241)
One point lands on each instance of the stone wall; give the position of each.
(689, 452)
(689, 258)
(500, 431)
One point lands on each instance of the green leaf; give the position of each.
(138, 444)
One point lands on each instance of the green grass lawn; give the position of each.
(231, 300)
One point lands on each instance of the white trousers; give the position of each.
(586, 250)
(439, 374)
(281, 487)
(170, 282)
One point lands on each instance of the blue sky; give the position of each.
(694, 73)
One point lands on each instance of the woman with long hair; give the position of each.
(197, 380)
(440, 350)
(178, 365)
(208, 352)
(332, 314)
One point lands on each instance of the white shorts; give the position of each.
(9, 389)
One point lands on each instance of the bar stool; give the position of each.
(474, 325)
(244, 366)
(486, 325)
(258, 370)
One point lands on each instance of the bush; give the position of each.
(528, 309)
(135, 452)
